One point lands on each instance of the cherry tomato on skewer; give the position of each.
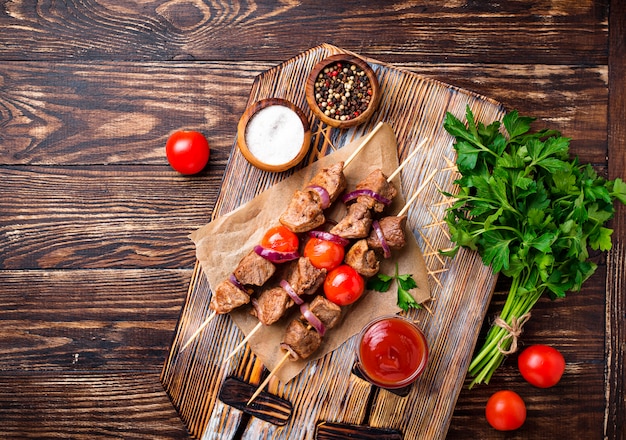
(324, 254)
(343, 285)
(280, 239)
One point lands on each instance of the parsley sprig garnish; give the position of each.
(381, 283)
(530, 211)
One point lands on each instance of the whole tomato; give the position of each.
(541, 365)
(324, 254)
(505, 410)
(187, 151)
(343, 285)
(281, 239)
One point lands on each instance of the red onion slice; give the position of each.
(381, 238)
(323, 235)
(365, 192)
(324, 196)
(275, 256)
(236, 283)
(292, 293)
(313, 320)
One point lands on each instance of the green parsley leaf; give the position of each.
(381, 283)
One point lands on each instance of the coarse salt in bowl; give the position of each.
(273, 134)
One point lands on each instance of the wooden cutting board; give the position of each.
(326, 400)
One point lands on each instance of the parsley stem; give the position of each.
(489, 357)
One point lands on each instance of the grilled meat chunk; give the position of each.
(326, 311)
(301, 340)
(254, 269)
(272, 303)
(356, 223)
(227, 297)
(376, 181)
(332, 180)
(392, 228)
(362, 259)
(303, 277)
(304, 212)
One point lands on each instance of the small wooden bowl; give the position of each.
(344, 59)
(273, 155)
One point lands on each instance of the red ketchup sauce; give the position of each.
(392, 352)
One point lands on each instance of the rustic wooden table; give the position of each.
(95, 260)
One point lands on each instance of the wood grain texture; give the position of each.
(101, 217)
(86, 406)
(77, 320)
(127, 110)
(90, 90)
(562, 32)
(615, 421)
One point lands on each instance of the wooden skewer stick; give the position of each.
(198, 330)
(363, 144)
(268, 378)
(406, 161)
(417, 193)
(242, 343)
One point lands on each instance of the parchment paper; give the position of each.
(221, 244)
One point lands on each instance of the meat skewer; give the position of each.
(300, 279)
(301, 339)
(321, 191)
(281, 299)
(254, 269)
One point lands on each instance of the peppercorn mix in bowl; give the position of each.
(342, 91)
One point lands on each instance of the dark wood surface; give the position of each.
(95, 261)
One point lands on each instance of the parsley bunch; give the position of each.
(530, 211)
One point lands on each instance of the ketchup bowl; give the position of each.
(392, 352)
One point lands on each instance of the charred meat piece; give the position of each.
(356, 223)
(326, 311)
(304, 212)
(376, 181)
(332, 180)
(272, 303)
(254, 269)
(301, 340)
(392, 228)
(227, 297)
(304, 278)
(362, 259)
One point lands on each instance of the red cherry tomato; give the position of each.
(324, 254)
(280, 239)
(343, 285)
(541, 365)
(187, 151)
(505, 410)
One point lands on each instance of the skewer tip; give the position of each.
(198, 331)
(261, 387)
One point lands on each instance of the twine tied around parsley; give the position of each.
(514, 331)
